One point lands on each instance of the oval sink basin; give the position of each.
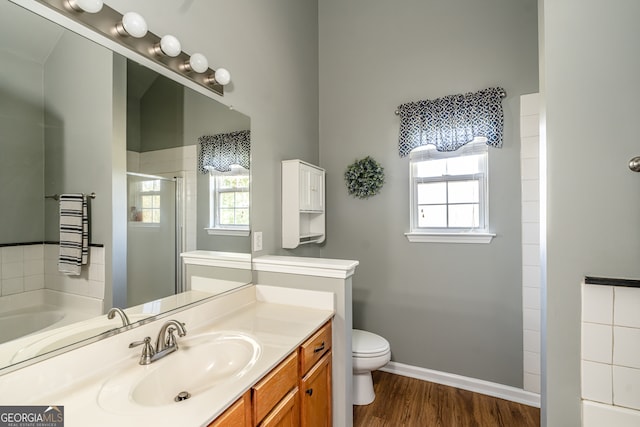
(201, 362)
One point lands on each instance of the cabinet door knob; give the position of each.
(309, 391)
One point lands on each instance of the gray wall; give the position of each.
(450, 307)
(593, 208)
(78, 130)
(85, 139)
(21, 149)
(271, 50)
(133, 124)
(155, 119)
(161, 116)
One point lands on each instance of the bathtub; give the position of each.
(18, 323)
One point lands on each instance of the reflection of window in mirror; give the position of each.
(229, 201)
(144, 203)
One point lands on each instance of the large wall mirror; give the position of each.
(77, 118)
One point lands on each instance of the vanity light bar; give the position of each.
(108, 22)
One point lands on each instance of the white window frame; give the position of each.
(447, 234)
(214, 223)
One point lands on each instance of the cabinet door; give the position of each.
(316, 189)
(285, 414)
(274, 386)
(315, 395)
(237, 415)
(311, 190)
(305, 188)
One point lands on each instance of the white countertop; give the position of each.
(76, 379)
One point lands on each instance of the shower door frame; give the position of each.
(179, 229)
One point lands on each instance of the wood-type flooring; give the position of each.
(408, 402)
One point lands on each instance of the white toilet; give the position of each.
(370, 352)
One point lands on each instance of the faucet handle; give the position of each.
(171, 340)
(147, 350)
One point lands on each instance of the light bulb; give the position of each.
(132, 24)
(222, 76)
(169, 45)
(89, 6)
(198, 63)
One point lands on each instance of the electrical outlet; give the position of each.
(257, 241)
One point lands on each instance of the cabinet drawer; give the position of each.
(314, 348)
(272, 388)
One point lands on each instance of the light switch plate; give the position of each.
(257, 241)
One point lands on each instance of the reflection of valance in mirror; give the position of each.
(220, 151)
(452, 121)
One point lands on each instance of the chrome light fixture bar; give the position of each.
(165, 52)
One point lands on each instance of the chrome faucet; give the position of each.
(112, 313)
(166, 342)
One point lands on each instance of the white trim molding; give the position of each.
(227, 232)
(240, 261)
(321, 267)
(475, 385)
(416, 237)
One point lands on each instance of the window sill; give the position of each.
(450, 237)
(226, 232)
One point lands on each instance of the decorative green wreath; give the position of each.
(364, 178)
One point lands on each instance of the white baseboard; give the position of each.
(501, 391)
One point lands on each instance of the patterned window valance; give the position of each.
(222, 150)
(452, 121)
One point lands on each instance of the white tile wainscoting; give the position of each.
(33, 267)
(610, 354)
(530, 181)
(21, 269)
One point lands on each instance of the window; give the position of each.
(449, 194)
(229, 208)
(145, 202)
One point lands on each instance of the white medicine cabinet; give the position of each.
(303, 212)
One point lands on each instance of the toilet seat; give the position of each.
(366, 344)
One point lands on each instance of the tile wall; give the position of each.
(611, 346)
(27, 268)
(530, 181)
(21, 269)
(90, 282)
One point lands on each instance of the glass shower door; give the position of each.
(151, 239)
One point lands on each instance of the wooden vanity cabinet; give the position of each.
(296, 393)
